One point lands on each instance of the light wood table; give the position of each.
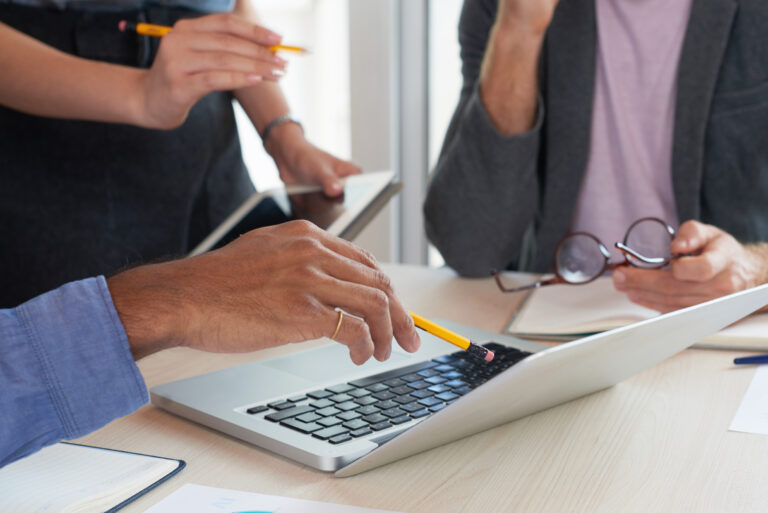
(658, 442)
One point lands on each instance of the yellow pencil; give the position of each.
(454, 338)
(148, 29)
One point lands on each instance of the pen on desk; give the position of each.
(453, 338)
(148, 29)
(754, 360)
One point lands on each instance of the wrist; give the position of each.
(283, 136)
(149, 309)
(759, 254)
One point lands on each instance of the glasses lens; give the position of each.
(650, 238)
(579, 258)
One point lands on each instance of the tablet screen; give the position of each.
(312, 206)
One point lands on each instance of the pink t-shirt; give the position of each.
(629, 170)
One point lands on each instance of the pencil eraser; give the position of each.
(122, 25)
(489, 356)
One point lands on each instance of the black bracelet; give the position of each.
(286, 118)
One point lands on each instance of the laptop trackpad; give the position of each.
(330, 362)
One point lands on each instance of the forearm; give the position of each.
(40, 80)
(65, 358)
(509, 77)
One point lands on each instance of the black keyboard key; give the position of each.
(325, 434)
(374, 418)
(340, 389)
(447, 396)
(393, 412)
(411, 377)
(429, 401)
(376, 378)
(437, 407)
(455, 383)
(439, 389)
(327, 412)
(280, 405)
(400, 420)
(309, 417)
(452, 375)
(349, 405)
(359, 392)
(421, 394)
(340, 438)
(253, 410)
(348, 415)
(418, 385)
(436, 380)
(462, 390)
(322, 403)
(404, 399)
(329, 421)
(365, 401)
(411, 407)
(319, 394)
(288, 413)
(385, 405)
(420, 413)
(401, 390)
(384, 395)
(445, 359)
(340, 398)
(395, 382)
(443, 368)
(377, 387)
(355, 424)
(428, 373)
(297, 398)
(367, 410)
(361, 432)
(303, 427)
(380, 426)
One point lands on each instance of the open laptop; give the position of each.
(344, 216)
(318, 408)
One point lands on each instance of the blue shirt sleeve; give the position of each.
(65, 368)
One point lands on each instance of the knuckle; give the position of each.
(379, 300)
(383, 282)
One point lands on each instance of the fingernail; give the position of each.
(336, 187)
(415, 343)
(273, 38)
(254, 79)
(618, 276)
(280, 61)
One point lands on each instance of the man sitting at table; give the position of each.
(589, 114)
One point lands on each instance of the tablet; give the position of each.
(344, 216)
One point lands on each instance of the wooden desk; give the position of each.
(658, 442)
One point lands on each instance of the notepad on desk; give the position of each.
(567, 312)
(71, 478)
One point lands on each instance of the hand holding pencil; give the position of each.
(218, 52)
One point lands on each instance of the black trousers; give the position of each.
(79, 199)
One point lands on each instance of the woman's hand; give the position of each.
(218, 52)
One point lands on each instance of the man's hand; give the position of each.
(718, 265)
(271, 286)
(218, 52)
(300, 161)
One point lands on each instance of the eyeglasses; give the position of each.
(580, 257)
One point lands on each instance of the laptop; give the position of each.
(318, 408)
(344, 216)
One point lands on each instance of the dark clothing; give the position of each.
(498, 202)
(79, 198)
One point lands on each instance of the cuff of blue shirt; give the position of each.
(84, 354)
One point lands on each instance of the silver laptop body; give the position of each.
(548, 377)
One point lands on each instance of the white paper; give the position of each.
(752, 415)
(206, 499)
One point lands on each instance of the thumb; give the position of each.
(692, 237)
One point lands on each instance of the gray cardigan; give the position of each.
(497, 202)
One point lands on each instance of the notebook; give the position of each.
(320, 409)
(566, 312)
(206, 499)
(71, 478)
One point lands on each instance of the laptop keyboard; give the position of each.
(358, 408)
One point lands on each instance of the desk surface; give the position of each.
(657, 442)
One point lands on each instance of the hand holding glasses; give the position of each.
(580, 257)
